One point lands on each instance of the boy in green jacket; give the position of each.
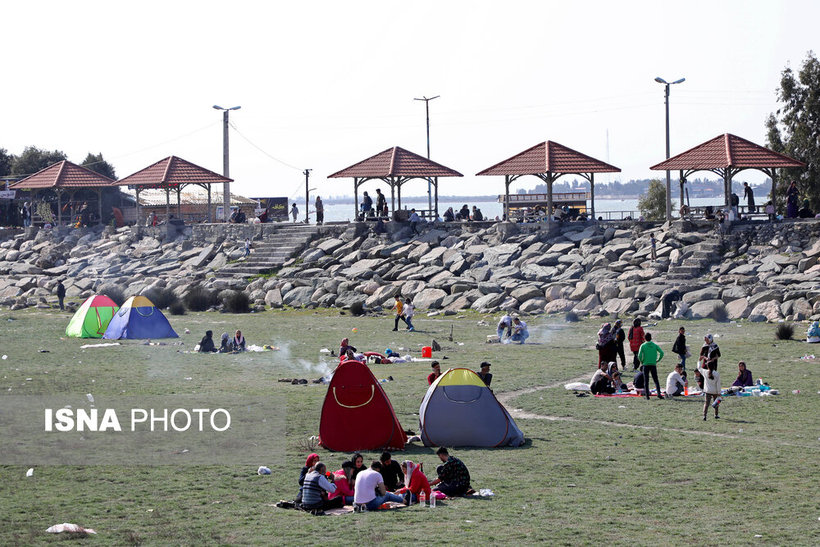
(650, 355)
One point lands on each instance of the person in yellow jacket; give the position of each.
(650, 354)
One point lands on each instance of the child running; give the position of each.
(409, 310)
(399, 307)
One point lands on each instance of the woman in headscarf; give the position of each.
(238, 341)
(744, 376)
(225, 346)
(792, 199)
(206, 345)
(636, 337)
(813, 333)
(358, 466)
(343, 482)
(710, 352)
(309, 463)
(607, 348)
(415, 482)
(344, 346)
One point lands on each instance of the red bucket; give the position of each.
(427, 351)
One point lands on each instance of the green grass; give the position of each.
(620, 471)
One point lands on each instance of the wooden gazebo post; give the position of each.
(592, 195)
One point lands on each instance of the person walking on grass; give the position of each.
(408, 311)
(398, 305)
(61, 294)
(679, 349)
(711, 387)
(650, 355)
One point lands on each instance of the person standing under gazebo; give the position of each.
(749, 194)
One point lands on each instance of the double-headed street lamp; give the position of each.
(427, 113)
(668, 183)
(226, 189)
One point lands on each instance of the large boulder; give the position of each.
(488, 302)
(533, 272)
(502, 255)
(298, 297)
(702, 295)
(429, 299)
(768, 310)
(560, 305)
(703, 309)
(738, 309)
(591, 302)
(620, 306)
(608, 291)
(766, 296)
(582, 290)
(273, 298)
(533, 306)
(527, 292)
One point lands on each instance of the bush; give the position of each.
(720, 313)
(571, 317)
(115, 294)
(160, 296)
(236, 302)
(357, 308)
(200, 299)
(177, 308)
(784, 331)
(652, 205)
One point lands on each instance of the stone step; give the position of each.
(684, 270)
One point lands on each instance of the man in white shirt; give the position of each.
(504, 323)
(520, 332)
(675, 382)
(370, 490)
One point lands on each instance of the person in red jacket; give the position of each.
(343, 480)
(415, 482)
(636, 338)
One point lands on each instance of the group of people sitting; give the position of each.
(368, 488)
(463, 214)
(227, 345)
(511, 328)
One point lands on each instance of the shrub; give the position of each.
(652, 204)
(720, 313)
(357, 308)
(571, 317)
(236, 302)
(115, 294)
(160, 296)
(200, 299)
(177, 308)
(784, 331)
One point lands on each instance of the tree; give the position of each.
(795, 128)
(6, 160)
(97, 164)
(33, 159)
(652, 204)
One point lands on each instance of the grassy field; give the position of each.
(619, 471)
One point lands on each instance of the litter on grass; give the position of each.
(263, 470)
(30, 472)
(69, 527)
(103, 345)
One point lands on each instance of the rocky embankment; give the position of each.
(761, 272)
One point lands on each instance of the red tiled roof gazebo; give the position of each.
(548, 161)
(173, 173)
(395, 166)
(726, 155)
(65, 176)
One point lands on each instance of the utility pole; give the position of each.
(427, 111)
(226, 189)
(306, 172)
(668, 180)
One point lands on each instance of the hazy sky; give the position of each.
(323, 85)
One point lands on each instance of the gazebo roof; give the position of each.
(396, 162)
(549, 157)
(172, 171)
(727, 150)
(63, 174)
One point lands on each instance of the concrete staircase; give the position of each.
(705, 254)
(271, 253)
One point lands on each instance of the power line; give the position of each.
(286, 164)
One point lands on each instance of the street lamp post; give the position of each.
(427, 111)
(668, 181)
(226, 189)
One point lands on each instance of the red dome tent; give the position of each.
(356, 414)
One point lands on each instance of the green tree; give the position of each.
(6, 160)
(795, 129)
(97, 164)
(652, 204)
(34, 159)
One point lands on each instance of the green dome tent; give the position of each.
(92, 318)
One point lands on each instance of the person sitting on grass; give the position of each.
(316, 489)
(638, 381)
(520, 332)
(344, 346)
(206, 345)
(225, 345)
(358, 466)
(238, 342)
(601, 382)
(415, 482)
(309, 463)
(813, 333)
(744, 376)
(675, 382)
(342, 480)
(435, 374)
(485, 374)
(391, 472)
(617, 381)
(370, 490)
(453, 477)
